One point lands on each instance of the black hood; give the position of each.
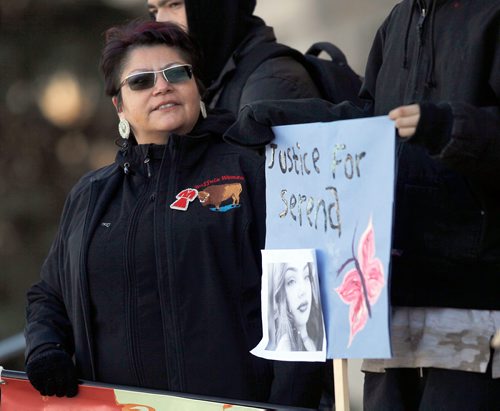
(219, 26)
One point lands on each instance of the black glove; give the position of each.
(434, 127)
(253, 128)
(53, 372)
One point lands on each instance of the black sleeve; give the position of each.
(47, 319)
(465, 137)
(277, 79)
(253, 127)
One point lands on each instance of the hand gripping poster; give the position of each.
(330, 189)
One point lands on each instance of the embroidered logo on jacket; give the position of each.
(184, 198)
(222, 197)
(218, 194)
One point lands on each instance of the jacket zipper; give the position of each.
(420, 36)
(148, 167)
(170, 308)
(129, 270)
(400, 145)
(420, 25)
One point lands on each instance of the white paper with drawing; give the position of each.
(330, 187)
(293, 328)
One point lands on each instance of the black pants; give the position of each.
(432, 389)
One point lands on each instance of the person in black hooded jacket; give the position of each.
(227, 31)
(435, 68)
(153, 279)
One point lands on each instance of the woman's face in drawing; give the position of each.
(298, 292)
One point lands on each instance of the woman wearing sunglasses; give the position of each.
(153, 279)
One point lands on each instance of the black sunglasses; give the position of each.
(147, 79)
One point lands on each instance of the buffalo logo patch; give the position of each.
(212, 194)
(217, 194)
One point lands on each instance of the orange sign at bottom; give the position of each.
(17, 394)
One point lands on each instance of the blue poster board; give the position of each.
(330, 187)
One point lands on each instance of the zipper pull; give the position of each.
(126, 168)
(148, 167)
(420, 24)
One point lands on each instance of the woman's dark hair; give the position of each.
(120, 40)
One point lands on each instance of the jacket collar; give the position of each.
(185, 149)
(426, 4)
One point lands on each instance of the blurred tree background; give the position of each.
(56, 123)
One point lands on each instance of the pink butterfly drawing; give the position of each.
(362, 284)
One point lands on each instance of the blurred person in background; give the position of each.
(434, 67)
(227, 31)
(148, 282)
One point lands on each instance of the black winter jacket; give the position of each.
(227, 31)
(275, 79)
(447, 215)
(207, 262)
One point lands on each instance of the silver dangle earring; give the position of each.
(124, 128)
(203, 109)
